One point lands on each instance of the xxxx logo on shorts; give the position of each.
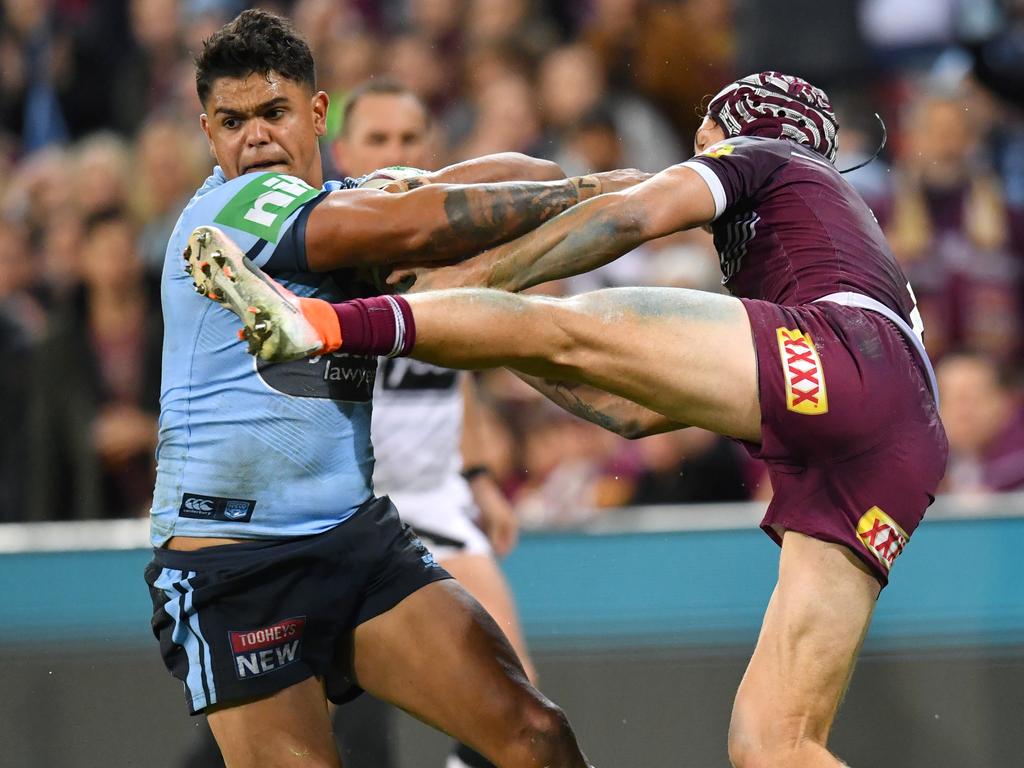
(801, 367)
(882, 535)
(258, 651)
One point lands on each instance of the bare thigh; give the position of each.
(688, 355)
(483, 579)
(289, 728)
(813, 629)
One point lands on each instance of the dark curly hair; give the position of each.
(254, 42)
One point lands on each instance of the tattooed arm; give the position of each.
(439, 223)
(586, 237)
(611, 412)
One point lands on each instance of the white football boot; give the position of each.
(275, 327)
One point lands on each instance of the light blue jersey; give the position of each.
(249, 449)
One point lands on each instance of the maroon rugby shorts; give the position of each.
(850, 430)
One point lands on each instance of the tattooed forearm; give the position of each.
(480, 216)
(584, 238)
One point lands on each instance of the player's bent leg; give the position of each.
(483, 579)
(439, 656)
(289, 728)
(688, 355)
(812, 632)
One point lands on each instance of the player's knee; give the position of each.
(543, 737)
(765, 745)
(749, 736)
(570, 343)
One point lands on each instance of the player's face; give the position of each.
(265, 123)
(707, 134)
(384, 129)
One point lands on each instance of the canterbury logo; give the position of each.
(801, 368)
(199, 505)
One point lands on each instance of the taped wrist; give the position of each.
(587, 186)
(382, 325)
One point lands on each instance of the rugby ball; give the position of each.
(384, 176)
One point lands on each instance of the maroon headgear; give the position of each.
(778, 106)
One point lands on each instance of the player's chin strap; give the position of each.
(878, 151)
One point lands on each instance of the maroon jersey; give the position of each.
(789, 229)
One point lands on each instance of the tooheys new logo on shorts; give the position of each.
(263, 205)
(258, 651)
(801, 367)
(200, 507)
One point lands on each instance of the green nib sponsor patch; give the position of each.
(265, 203)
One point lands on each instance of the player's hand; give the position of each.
(497, 518)
(420, 279)
(623, 178)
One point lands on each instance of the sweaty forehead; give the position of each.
(241, 94)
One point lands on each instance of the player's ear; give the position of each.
(204, 122)
(320, 104)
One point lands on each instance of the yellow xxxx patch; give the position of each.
(882, 535)
(801, 367)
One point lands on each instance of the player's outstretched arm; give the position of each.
(586, 237)
(616, 414)
(439, 223)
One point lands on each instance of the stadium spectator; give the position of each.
(572, 82)
(167, 161)
(505, 118)
(94, 387)
(954, 232)
(984, 418)
(34, 57)
(21, 320)
(689, 465)
(100, 170)
(144, 79)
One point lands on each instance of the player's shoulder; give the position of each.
(749, 145)
(257, 204)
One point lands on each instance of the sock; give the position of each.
(382, 325)
(464, 757)
(322, 317)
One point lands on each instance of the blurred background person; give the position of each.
(94, 386)
(984, 416)
(954, 231)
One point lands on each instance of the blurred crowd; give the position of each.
(100, 148)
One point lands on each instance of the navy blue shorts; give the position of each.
(241, 621)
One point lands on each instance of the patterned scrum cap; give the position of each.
(778, 106)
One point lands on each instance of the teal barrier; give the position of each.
(959, 583)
